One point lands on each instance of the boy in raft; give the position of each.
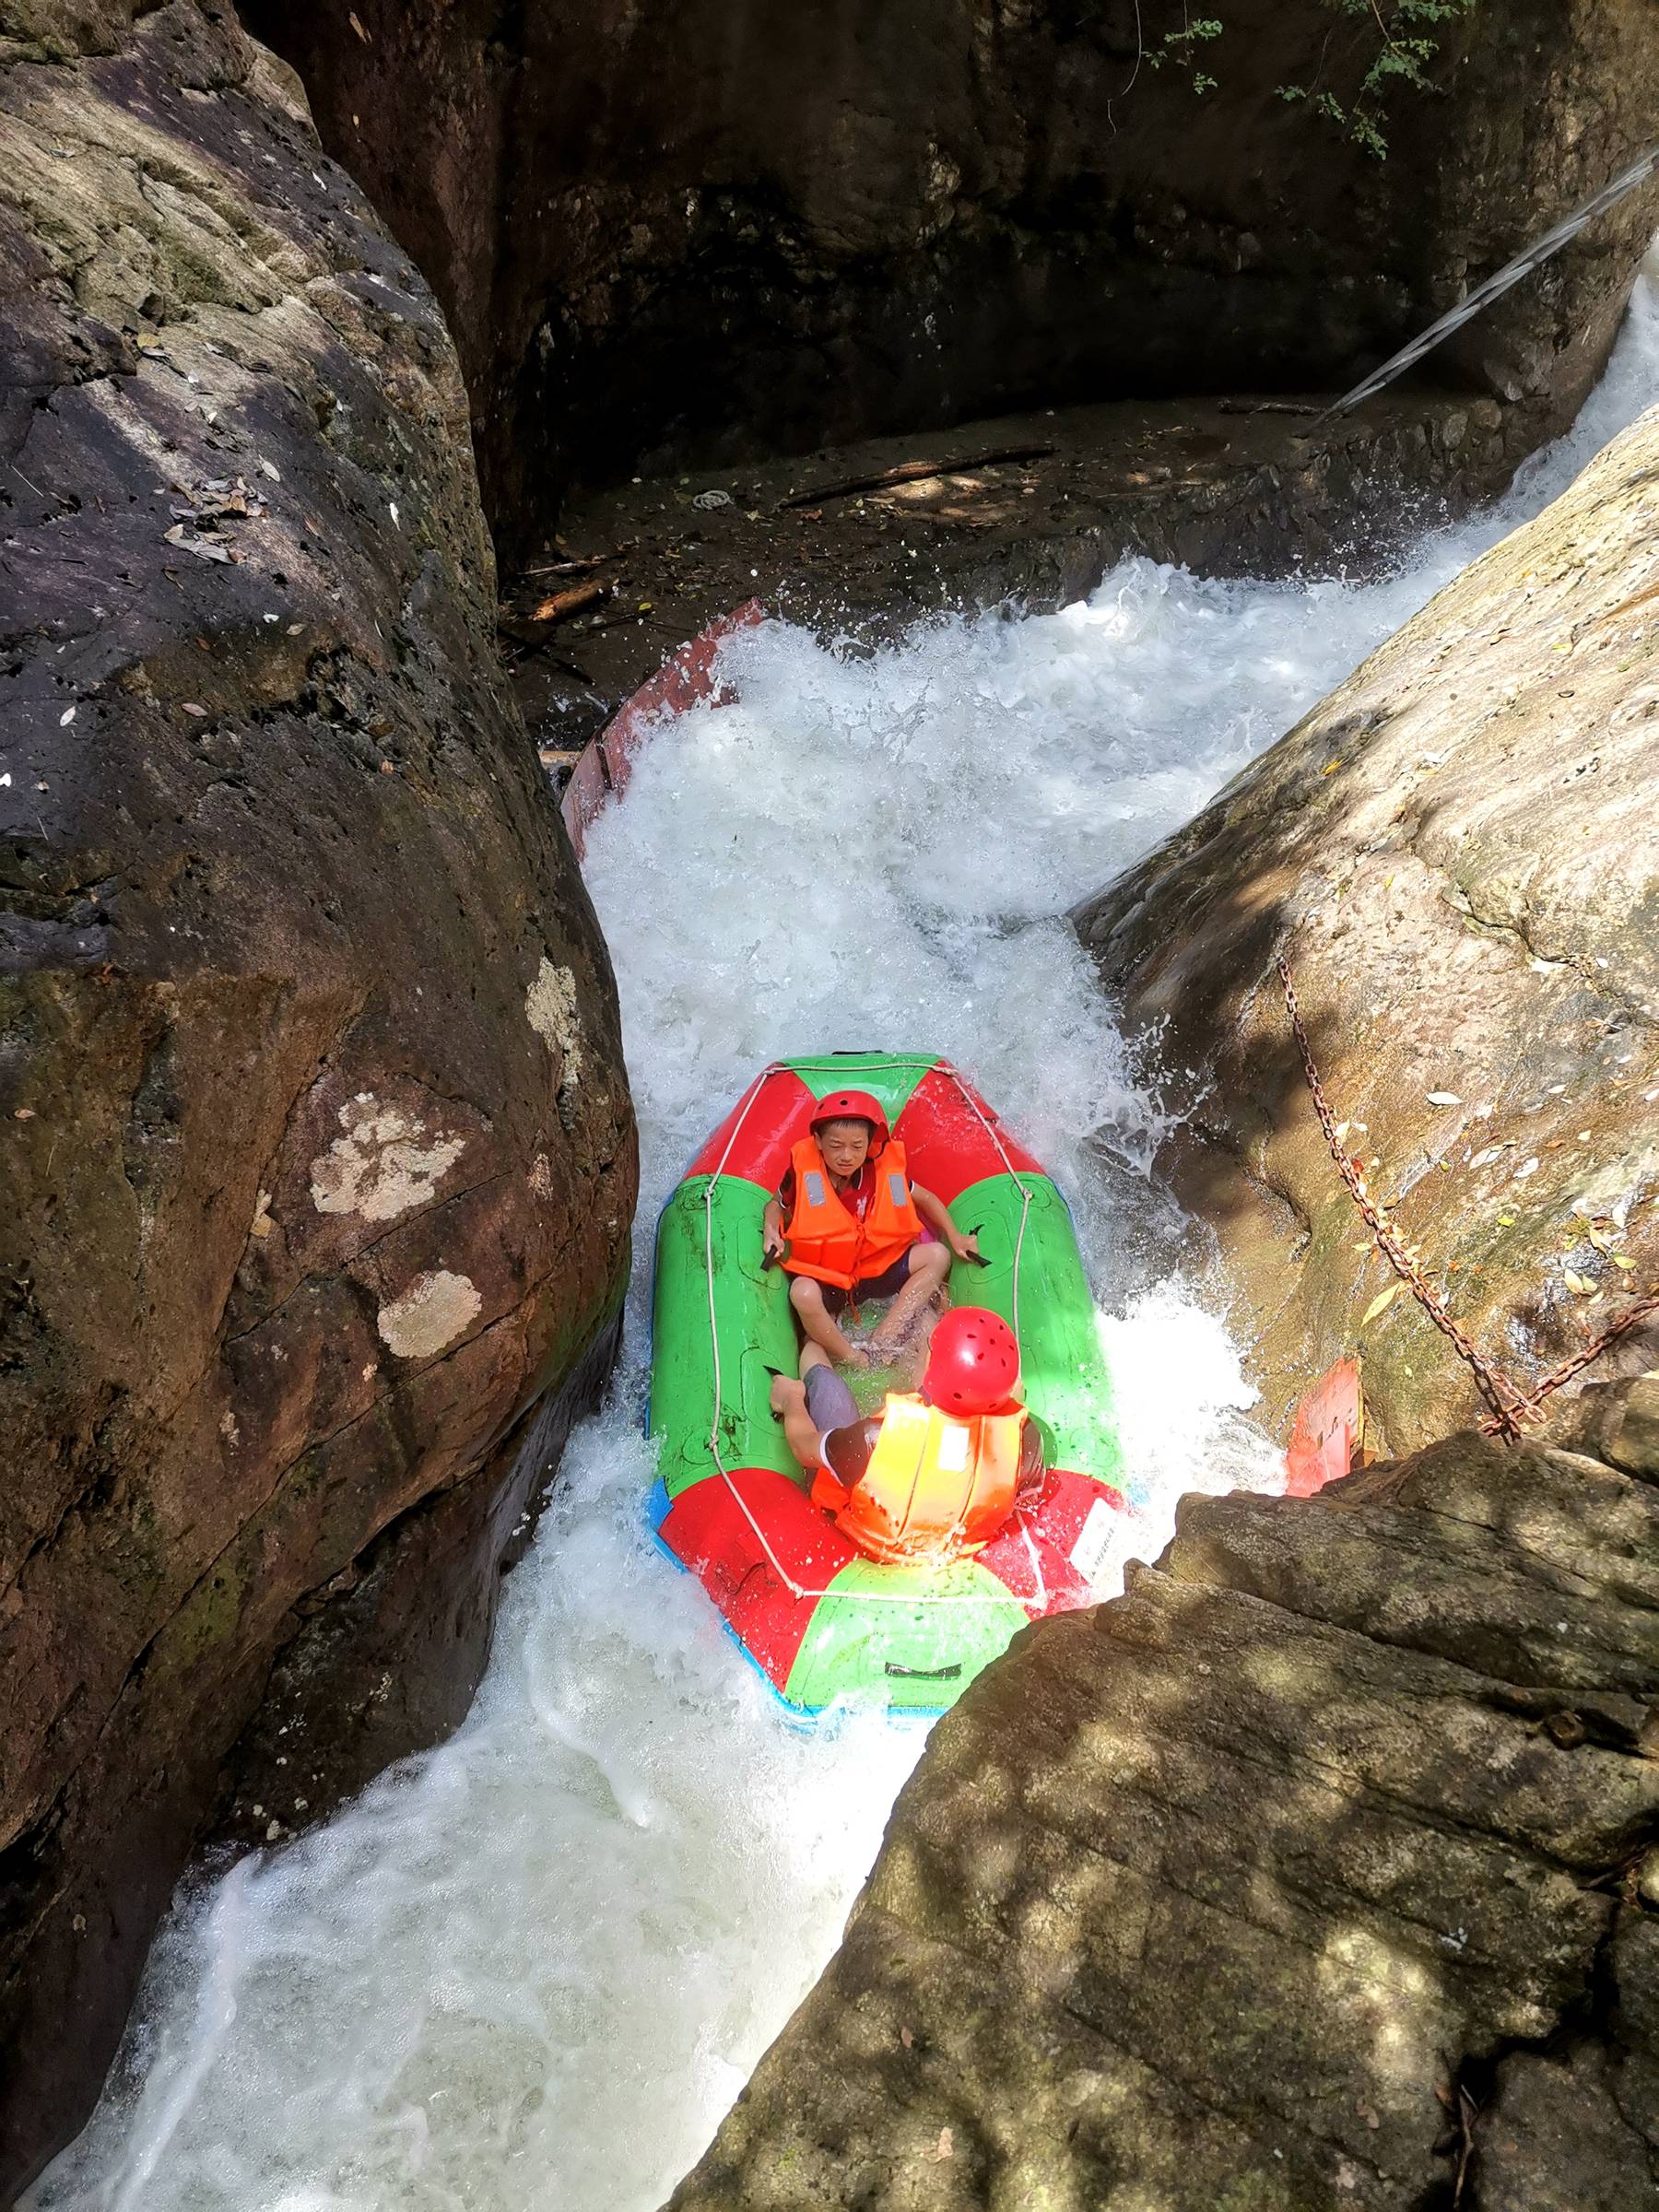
(937, 1472)
(847, 1225)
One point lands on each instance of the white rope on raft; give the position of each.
(892, 1597)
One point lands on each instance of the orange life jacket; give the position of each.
(936, 1486)
(827, 1239)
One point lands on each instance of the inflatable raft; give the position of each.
(820, 1621)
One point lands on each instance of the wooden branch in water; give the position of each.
(579, 564)
(914, 472)
(563, 605)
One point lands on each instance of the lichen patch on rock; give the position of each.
(433, 1313)
(550, 1008)
(386, 1163)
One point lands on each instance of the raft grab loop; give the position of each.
(1039, 1595)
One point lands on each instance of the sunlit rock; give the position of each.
(1457, 853)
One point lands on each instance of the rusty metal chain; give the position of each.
(1592, 1350)
(1510, 1406)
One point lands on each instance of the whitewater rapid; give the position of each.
(528, 1971)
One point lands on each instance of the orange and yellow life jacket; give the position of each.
(937, 1485)
(827, 1239)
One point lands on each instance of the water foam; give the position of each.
(530, 1970)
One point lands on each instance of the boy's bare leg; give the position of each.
(807, 1299)
(914, 1364)
(929, 1266)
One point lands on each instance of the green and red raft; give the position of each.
(821, 1621)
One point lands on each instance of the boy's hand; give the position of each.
(774, 1245)
(965, 1248)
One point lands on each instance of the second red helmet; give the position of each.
(973, 1362)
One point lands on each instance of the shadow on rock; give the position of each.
(1318, 1870)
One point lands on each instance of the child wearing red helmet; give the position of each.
(937, 1474)
(847, 1224)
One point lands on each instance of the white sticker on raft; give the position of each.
(435, 1309)
(953, 1450)
(1088, 1555)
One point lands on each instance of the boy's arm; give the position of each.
(772, 1228)
(934, 1213)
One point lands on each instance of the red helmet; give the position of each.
(853, 1106)
(973, 1362)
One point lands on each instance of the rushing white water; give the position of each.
(530, 1970)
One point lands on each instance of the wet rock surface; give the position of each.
(318, 1153)
(679, 235)
(1029, 511)
(1320, 1869)
(1457, 853)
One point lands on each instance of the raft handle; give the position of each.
(924, 1674)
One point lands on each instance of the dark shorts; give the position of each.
(887, 1284)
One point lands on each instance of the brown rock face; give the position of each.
(1458, 853)
(318, 1156)
(692, 231)
(1317, 1871)
(1233, 488)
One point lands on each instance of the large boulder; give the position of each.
(1318, 1871)
(1457, 853)
(691, 231)
(319, 1160)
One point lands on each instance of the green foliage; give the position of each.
(1398, 41)
(1181, 46)
(1399, 47)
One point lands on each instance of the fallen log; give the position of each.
(561, 605)
(914, 472)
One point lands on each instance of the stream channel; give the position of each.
(532, 1968)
